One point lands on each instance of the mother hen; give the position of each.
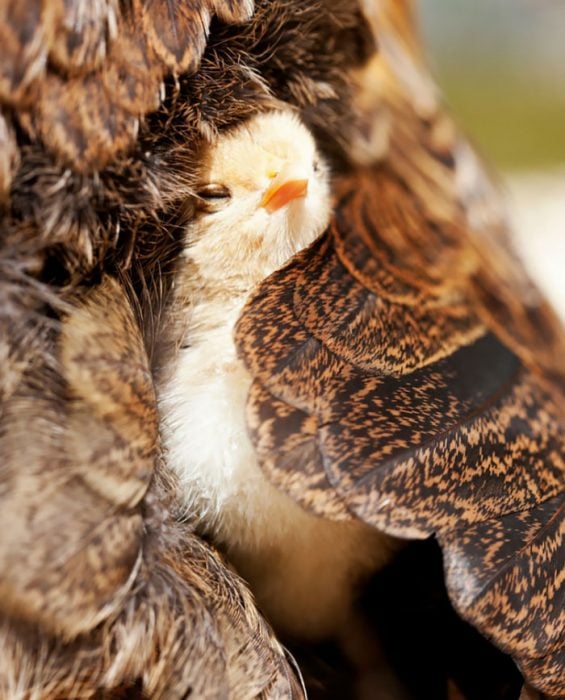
(415, 380)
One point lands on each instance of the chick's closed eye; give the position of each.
(212, 197)
(213, 191)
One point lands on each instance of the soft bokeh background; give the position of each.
(501, 64)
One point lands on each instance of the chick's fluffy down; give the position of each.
(302, 569)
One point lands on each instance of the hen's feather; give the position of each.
(82, 74)
(384, 396)
(73, 96)
(92, 554)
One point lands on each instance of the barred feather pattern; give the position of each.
(104, 590)
(81, 74)
(381, 401)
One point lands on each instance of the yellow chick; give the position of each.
(264, 196)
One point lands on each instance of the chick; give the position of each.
(264, 196)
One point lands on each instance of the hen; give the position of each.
(105, 108)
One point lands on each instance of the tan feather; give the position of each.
(94, 557)
(84, 32)
(26, 30)
(9, 156)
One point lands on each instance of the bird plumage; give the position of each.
(398, 298)
(91, 180)
(93, 555)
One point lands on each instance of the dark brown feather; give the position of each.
(82, 74)
(382, 395)
(468, 246)
(356, 410)
(84, 32)
(508, 579)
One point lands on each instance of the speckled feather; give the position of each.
(349, 422)
(181, 620)
(465, 244)
(383, 394)
(64, 220)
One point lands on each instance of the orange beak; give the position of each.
(285, 188)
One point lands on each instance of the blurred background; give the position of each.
(501, 65)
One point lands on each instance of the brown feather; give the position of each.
(9, 157)
(97, 569)
(111, 59)
(373, 334)
(26, 29)
(468, 246)
(84, 32)
(95, 186)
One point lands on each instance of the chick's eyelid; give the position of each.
(213, 190)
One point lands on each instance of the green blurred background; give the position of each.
(501, 64)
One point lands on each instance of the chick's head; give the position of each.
(264, 195)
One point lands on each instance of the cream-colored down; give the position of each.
(302, 569)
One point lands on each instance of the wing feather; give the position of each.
(465, 242)
(414, 375)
